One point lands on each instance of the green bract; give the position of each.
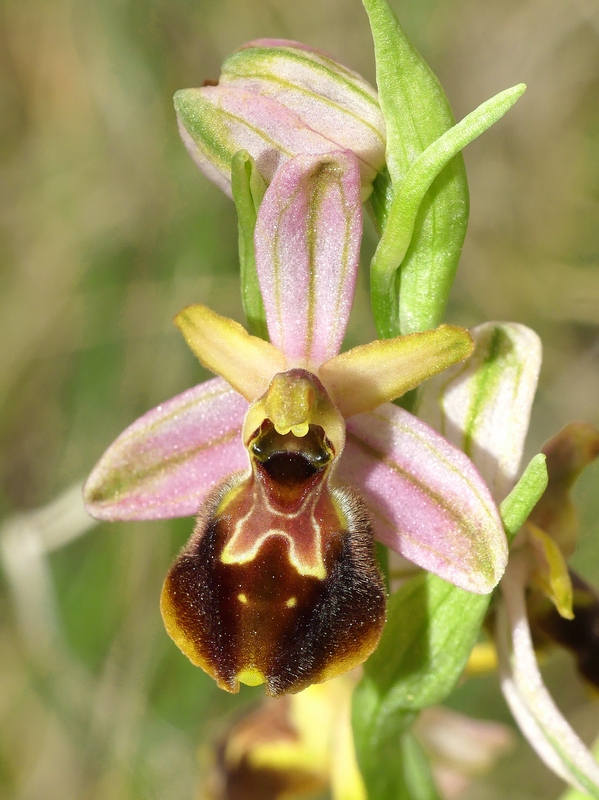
(416, 113)
(519, 503)
(412, 273)
(421, 203)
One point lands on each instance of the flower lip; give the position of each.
(279, 582)
(274, 554)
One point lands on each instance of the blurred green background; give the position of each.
(108, 229)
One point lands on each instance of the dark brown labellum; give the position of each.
(278, 583)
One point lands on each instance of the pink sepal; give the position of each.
(290, 43)
(243, 120)
(307, 243)
(329, 98)
(428, 501)
(163, 464)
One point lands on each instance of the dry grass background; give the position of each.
(107, 229)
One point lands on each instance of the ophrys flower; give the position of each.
(484, 407)
(278, 583)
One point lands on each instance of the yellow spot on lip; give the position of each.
(251, 676)
(242, 598)
(300, 430)
(291, 602)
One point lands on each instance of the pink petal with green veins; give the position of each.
(330, 98)
(220, 120)
(307, 242)
(483, 406)
(427, 500)
(166, 462)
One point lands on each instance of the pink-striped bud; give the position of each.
(277, 99)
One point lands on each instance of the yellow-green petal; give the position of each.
(372, 374)
(550, 572)
(225, 347)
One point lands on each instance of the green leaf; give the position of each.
(248, 190)
(416, 113)
(431, 629)
(524, 496)
(423, 293)
(392, 763)
(417, 770)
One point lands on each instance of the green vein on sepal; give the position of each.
(203, 123)
(484, 386)
(257, 63)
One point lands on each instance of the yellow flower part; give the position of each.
(291, 748)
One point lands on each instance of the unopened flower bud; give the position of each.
(277, 99)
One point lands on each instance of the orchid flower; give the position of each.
(275, 99)
(484, 408)
(302, 745)
(278, 583)
(292, 747)
(564, 608)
